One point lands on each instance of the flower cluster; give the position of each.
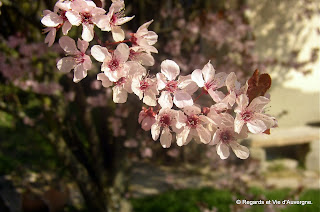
(172, 114)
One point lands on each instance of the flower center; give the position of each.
(171, 86)
(144, 85)
(225, 137)
(210, 85)
(115, 17)
(165, 120)
(113, 64)
(133, 55)
(79, 58)
(121, 81)
(246, 116)
(86, 18)
(193, 121)
(133, 40)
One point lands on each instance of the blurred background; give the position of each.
(68, 147)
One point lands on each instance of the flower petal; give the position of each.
(87, 32)
(123, 20)
(170, 69)
(117, 33)
(161, 81)
(196, 76)
(79, 73)
(165, 100)
(155, 131)
(150, 98)
(256, 126)
(238, 123)
(242, 102)
(66, 27)
(100, 53)
(147, 122)
(258, 104)
(66, 64)
(208, 72)
(105, 80)
(182, 99)
(73, 17)
(50, 36)
(166, 138)
(182, 137)
(223, 150)
(240, 151)
(217, 96)
(204, 134)
(122, 52)
(119, 94)
(192, 110)
(68, 45)
(82, 45)
(51, 20)
(216, 138)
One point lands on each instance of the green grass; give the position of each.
(188, 200)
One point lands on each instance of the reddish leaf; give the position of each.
(267, 132)
(258, 85)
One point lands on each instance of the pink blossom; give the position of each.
(193, 124)
(114, 65)
(226, 137)
(144, 39)
(122, 87)
(145, 88)
(252, 114)
(51, 36)
(138, 55)
(53, 21)
(210, 81)
(181, 89)
(234, 89)
(164, 119)
(114, 19)
(76, 60)
(147, 118)
(87, 14)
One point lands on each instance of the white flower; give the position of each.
(53, 21)
(192, 124)
(147, 118)
(114, 19)
(144, 39)
(210, 81)
(51, 36)
(145, 88)
(122, 87)
(164, 119)
(252, 115)
(114, 65)
(138, 55)
(76, 60)
(87, 14)
(180, 89)
(226, 137)
(234, 89)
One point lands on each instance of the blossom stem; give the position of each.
(203, 92)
